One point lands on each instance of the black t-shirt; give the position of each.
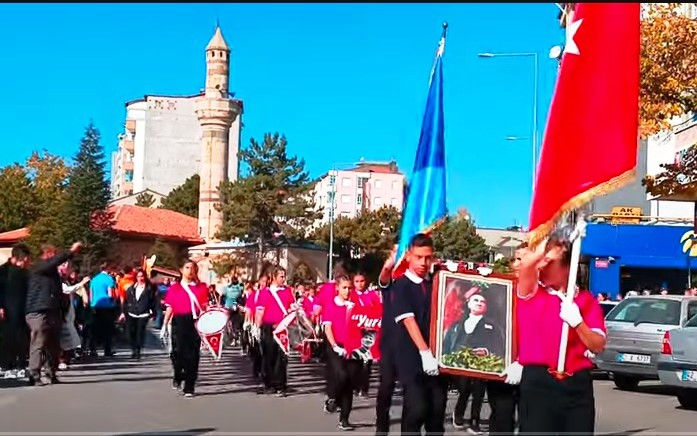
(409, 296)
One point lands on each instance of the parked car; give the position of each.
(635, 330)
(677, 364)
(607, 306)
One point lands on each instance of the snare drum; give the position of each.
(210, 326)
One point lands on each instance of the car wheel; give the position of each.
(687, 398)
(624, 382)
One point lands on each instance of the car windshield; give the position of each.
(607, 308)
(647, 310)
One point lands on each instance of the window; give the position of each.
(395, 185)
(359, 199)
(377, 201)
(691, 312)
(646, 311)
(346, 182)
(346, 199)
(378, 184)
(361, 182)
(332, 180)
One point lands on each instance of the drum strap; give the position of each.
(194, 301)
(278, 301)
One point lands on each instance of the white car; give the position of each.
(677, 364)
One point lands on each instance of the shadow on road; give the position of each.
(628, 432)
(190, 432)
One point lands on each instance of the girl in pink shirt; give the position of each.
(555, 403)
(361, 296)
(272, 305)
(185, 301)
(344, 371)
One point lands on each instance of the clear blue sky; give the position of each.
(342, 81)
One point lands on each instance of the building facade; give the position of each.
(163, 143)
(367, 186)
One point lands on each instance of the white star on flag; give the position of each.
(571, 29)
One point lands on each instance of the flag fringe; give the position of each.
(538, 234)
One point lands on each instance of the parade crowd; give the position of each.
(51, 316)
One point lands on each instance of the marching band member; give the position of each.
(363, 297)
(255, 346)
(271, 307)
(425, 391)
(344, 371)
(553, 403)
(185, 301)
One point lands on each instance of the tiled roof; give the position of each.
(161, 223)
(382, 169)
(14, 235)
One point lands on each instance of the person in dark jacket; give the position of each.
(138, 307)
(43, 312)
(14, 279)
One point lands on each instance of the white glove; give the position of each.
(256, 333)
(513, 373)
(429, 363)
(339, 350)
(294, 306)
(246, 325)
(570, 314)
(589, 354)
(163, 331)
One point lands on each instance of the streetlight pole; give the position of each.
(534, 101)
(332, 192)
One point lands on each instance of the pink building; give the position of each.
(367, 186)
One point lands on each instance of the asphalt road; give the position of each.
(122, 397)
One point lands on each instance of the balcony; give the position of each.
(131, 126)
(128, 145)
(128, 165)
(127, 188)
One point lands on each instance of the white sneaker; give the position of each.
(21, 373)
(62, 366)
(9, 374)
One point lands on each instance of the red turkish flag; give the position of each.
(214, 342)
(590, 144)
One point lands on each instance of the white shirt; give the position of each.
(471, 323)
(139, 290)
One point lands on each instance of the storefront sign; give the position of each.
(626, 215)
(601, 263)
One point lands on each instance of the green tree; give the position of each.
(275, 197)
(457, 239)
(503, 265)
(49, 178)
(87, 200)
(166, 255)
(17, 198)
(678, 180)
(145, 199)
(227, 264)
(184, 198)
(303, 274)
(345, 243)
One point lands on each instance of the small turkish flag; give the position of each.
(214, 342)
(590, 144)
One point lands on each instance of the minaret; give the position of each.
(216, 111)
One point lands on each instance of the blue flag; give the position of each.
(425, 206)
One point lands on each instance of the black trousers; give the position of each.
(364, 373)
(328, 375)
(186, 351)
(345, 374)
(466, 387)
(383, 402)
(44, 345)
(554, 407)
(425, 399)
(136, 332)
(254, 352)
(103, 328)
(274, 361)
(503, 402)
(15, 343)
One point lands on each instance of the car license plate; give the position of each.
(689, 376)
(633, 358)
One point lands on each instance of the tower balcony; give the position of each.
(217, 111)
(128, 145)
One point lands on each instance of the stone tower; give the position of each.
(216, 112)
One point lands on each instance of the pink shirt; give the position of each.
(365, 298)
(272, 312)
(539, 330)
(336, 316)
(251, 303)
(324, 296)
(308, 304)
(180, 302)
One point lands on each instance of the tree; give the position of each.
(49, 178)
(503, 265)
(17, 198)
(145, 199)
(184, 198)
(275, 197)
(344, 238)
(303, 274)
(676, 179)
(87, 200)
(668, 65)
(457, 239)
(227, 264)
(165, 255)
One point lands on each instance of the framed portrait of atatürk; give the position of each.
(472, 323)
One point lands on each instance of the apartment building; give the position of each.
(366, 186)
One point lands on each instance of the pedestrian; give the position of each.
(103, 300)
(345, 372)
(138, 308)
(272, 306)
(425, 391)
(184, 302)
(14, 279)
(43, 312)
(550, 402)
(363, 297)
(69, 337)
